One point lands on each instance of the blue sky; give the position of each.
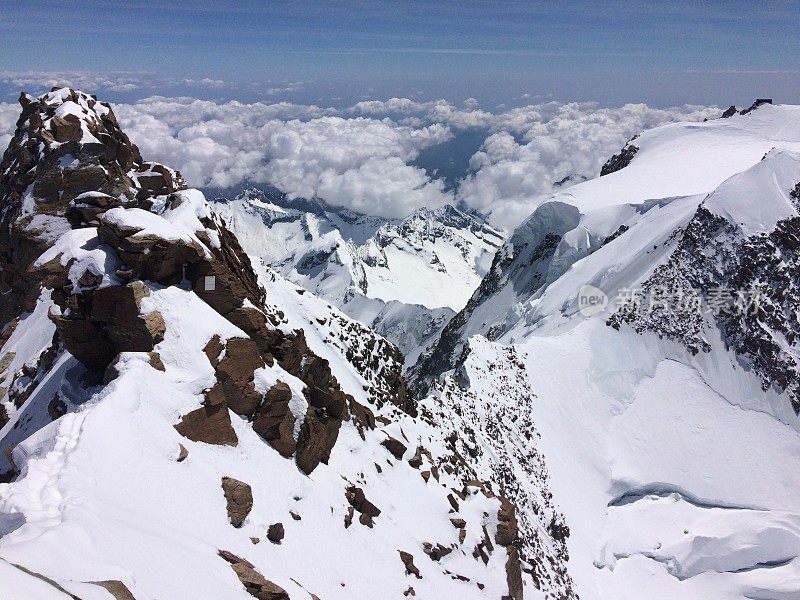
(329, 52)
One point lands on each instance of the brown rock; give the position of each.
(453, 502)
(239, 497)
(104, 322)
(514, 573)
(235, 385)
(435, 552)
(395, 447)
(254, 582)
(254, 323)
(506, 523)
(274, 420)
(416, 460)
(362, 414)
(116, 588)
(458, 523)
(154, 360)
(355, 496)
(183, 453)
(209, 424)
(408, 562)
(275, 533)
(148, 256)
(317, 437)
(66, 129)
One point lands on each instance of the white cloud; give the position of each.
(360, 163)
(361, 157)
(9, 113)
(556, 140)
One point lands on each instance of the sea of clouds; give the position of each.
(362, 157)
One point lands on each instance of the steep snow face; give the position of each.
(667, 424)
(434, 258)
(667, 486)
(404, 278)
(673, 170)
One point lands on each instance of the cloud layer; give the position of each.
(362, 157)
(536, 146)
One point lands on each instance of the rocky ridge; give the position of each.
(121, 270)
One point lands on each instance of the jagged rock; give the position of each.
(147, 256)
(254, 323)
(239, 497)
(210, 424)
(458, 523)
(59, 165)
(183, 453)
(435, 552)
(294, 515)
(234, 279)
(57, 408)
(275, 533)
(362, 415)
(235, 385)
(254, 582)
(116, 588)
(410, 592)
(274, 421)
(408, 562)
(453, 502)
(514, 574)
(506, 523)
(621, 160)
(395, 447)
(317, 437)
(755, 105)
(729, 112)
(416, 460)
(102, 323)
(355, 496)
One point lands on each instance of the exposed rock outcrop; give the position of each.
(254, 582)
(67, 159)
(70, 166)
(210, 424)
(239, 497)
(620, 160)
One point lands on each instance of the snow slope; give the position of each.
(670, 437)
(675, 167)
(208, 429)
(404, 278)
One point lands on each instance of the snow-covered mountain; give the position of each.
(653, 317)
(611, 415)
(404, 278)
(182, 423)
